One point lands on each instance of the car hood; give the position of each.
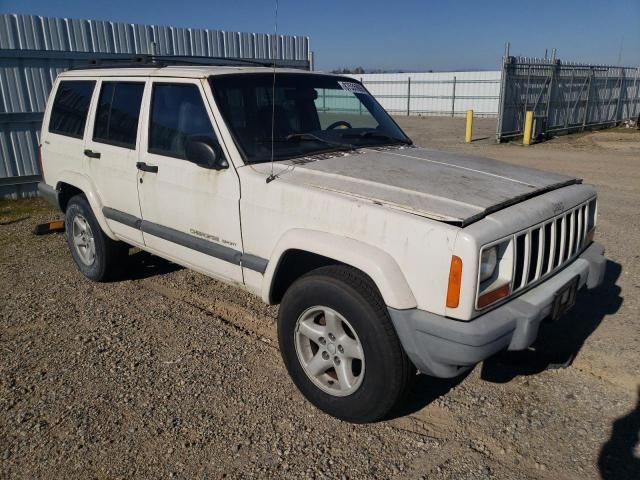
(449, 187)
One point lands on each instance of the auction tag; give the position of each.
(353, 87)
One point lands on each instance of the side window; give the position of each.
(177, 113)
(117, 113)
(70, 107)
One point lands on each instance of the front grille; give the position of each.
(548, 246)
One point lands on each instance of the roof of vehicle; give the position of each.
(196, 71)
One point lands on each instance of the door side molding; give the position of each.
(221, 252)
(121, 217)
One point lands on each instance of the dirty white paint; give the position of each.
(380, 210)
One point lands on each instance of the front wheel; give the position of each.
(340, 347)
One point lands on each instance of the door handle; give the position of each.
(146, 168)
(91, 153)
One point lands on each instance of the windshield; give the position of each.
(312, 114)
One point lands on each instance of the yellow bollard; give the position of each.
(528, 127)
(469, 132)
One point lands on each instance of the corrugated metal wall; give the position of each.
(439, 93)
(33, 50)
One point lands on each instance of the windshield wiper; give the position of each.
(375, 134)
(310, 137)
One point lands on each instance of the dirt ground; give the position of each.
(169, 374)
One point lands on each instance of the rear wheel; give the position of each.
(97, 256)
(340, 347)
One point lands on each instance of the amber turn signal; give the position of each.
(492, 296)
(455, 279)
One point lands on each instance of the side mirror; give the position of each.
(206, 152)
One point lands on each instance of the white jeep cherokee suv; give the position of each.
(299, 187)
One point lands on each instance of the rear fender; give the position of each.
(88, 188)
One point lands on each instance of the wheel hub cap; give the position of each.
(329, 351)
(83, 240)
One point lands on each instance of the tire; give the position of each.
(106, 260)
(323, 301)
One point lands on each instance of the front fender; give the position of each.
(378, 264)
(90, 191)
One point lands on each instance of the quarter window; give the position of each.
(177, 114)
(117, 113)
(70, 107)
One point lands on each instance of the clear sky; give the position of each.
(400, 34)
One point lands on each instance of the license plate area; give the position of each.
(565, 299)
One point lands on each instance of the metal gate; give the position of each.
(564, 96)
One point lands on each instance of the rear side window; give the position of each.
(70, 107)
(117, 113)
(177, 114)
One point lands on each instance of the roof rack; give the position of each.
(159, 61)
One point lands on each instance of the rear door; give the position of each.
(190, 213)
(111, 152)
(63, 133)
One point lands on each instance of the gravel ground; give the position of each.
(167, 373)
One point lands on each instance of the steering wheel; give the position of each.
(339, 123)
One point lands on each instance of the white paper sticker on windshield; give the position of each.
(353, 87)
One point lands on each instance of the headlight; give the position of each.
(496, 270)
(488, 262)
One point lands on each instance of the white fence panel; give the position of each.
(438, 93)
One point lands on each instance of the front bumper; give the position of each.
(444, 347)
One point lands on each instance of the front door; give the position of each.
(110, 149)
(190, 213)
